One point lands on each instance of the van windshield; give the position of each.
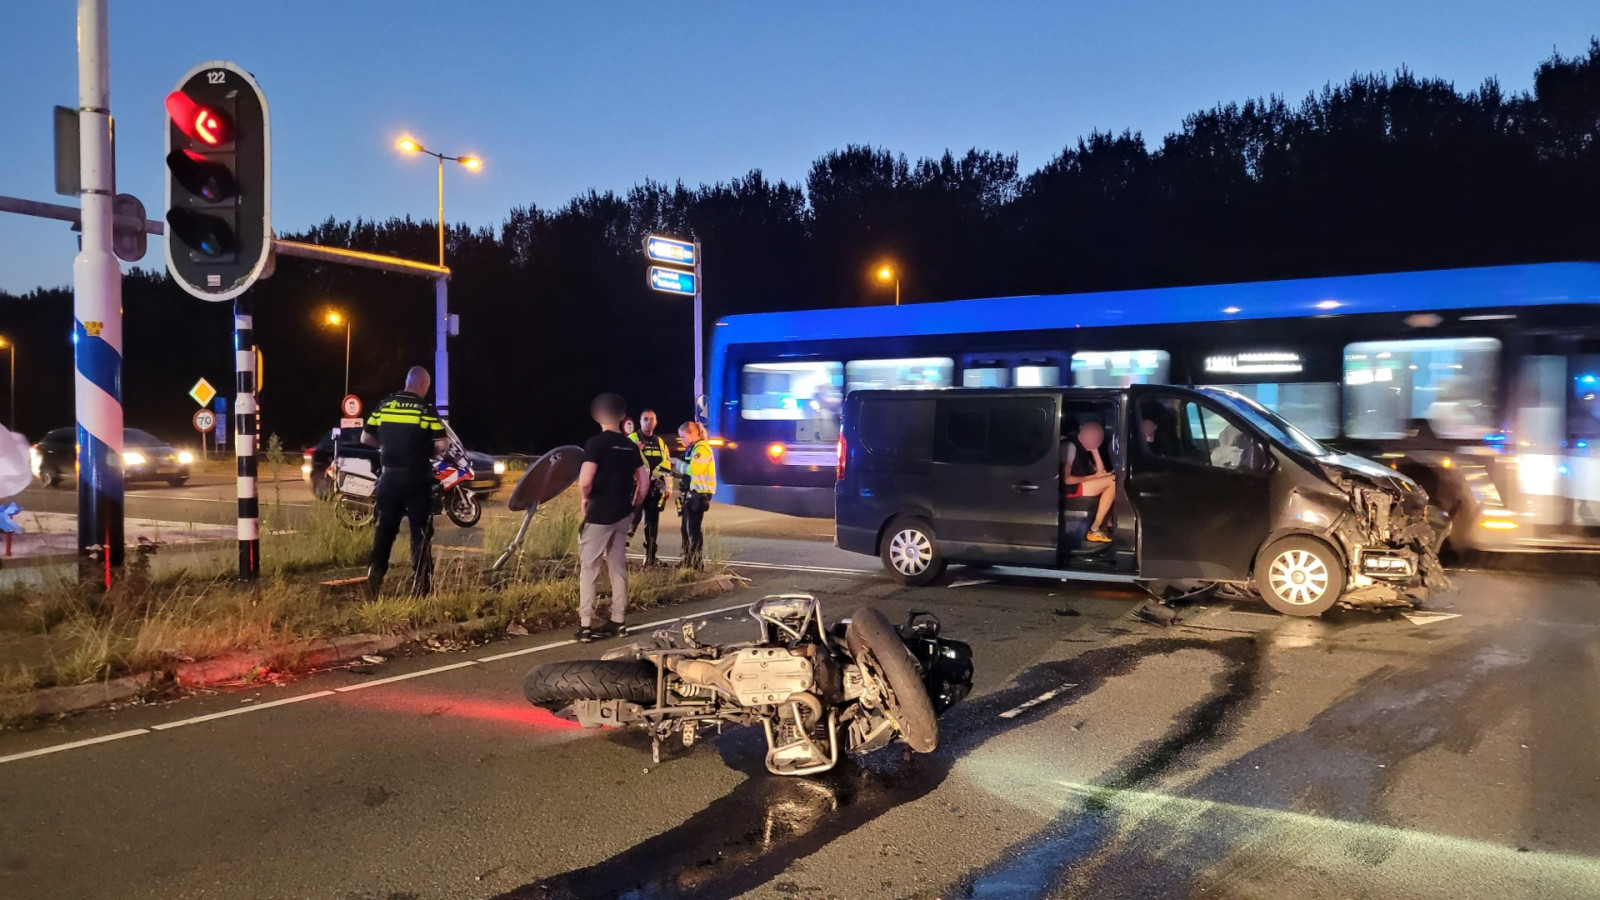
(1270, 423)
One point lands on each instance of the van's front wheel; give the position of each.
(911, 553)
(1300, 576)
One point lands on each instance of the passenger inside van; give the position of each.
(1086, 471)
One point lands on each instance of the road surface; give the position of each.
(1235, 754)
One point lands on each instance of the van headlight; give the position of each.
(185, 458)
(132, 458)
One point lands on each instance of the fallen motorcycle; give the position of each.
(815, 690)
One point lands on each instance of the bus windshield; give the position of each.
(1269, 422)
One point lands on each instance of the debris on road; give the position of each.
(1157, 613)
(971, 582)
(1428, 618)
(372, 659)
(516, 629)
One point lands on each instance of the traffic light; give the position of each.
(219, 181)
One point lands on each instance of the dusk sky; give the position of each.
(560, 98)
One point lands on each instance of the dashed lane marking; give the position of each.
(57, 748)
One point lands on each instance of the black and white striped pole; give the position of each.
(244, 440)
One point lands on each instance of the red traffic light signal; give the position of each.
(219, 181)
(209, 126)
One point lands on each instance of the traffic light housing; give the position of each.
(219, 181)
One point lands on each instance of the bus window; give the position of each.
(1448, 383)
(1038, 376)
(986, 377)
(805, 393)
(1313, 407)
(1120, 368)
(899, 374)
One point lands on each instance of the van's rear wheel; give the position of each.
(911, 552)
(1300, 576)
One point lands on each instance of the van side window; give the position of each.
(1004, 431)
(1185, 430)
(901, 428)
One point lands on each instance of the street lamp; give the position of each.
(11, 350)
(336, 318)
(887, 274)
(472, 163)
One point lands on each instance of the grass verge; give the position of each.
(74, 635)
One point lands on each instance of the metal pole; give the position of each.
(441, 350)
(347, 356)
(97, 313)
(897, 291)
(244, 439)
(14, 386)
(441, 212)
(699, 339)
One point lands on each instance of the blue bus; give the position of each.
(1483, 384)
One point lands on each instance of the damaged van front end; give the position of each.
(1390, 535)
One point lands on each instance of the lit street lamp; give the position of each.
(336, 318)
(407, 145)
(887, 274)
(11, 350)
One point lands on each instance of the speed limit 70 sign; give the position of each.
(204, 420)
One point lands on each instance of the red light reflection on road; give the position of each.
(517, 713)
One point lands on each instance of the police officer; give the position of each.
(658, 464)
(409, 434)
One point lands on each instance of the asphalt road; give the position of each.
(1235, 754)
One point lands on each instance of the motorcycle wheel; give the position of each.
(463, 508)
(876, 645)
(352, 515)
(554, 685)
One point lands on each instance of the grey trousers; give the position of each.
(603, 546)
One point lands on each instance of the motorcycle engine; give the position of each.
(766, 675)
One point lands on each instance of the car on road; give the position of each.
(487, 472)
(145, 457)
(1210, 488)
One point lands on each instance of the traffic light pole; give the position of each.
(245, 434)
(97, 313)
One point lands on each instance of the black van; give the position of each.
(1210, 487)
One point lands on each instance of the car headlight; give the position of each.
(34, 460)
(132, 458)
(185, 458)
(499, 467)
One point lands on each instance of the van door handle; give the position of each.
(1153, 492)
(1024, 487)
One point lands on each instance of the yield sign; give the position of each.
(202, 392)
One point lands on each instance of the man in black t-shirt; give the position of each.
(612, 481)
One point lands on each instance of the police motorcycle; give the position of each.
(355, 487)
(816, 690)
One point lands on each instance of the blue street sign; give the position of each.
(671, 280)
(221, 406)
(669, 250)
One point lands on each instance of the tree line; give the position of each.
(1378, 173)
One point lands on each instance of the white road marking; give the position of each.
(1013, 713)
(782, 567)
(74, 745)
(243, 709)
(409, 675)
(350, 687)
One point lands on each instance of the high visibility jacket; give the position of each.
(406, 427)
(657, 456)
(700, 468)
